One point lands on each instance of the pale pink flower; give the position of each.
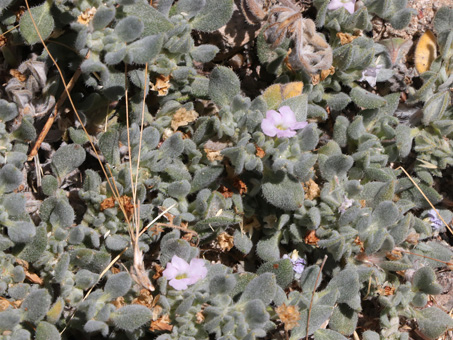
(349, 5)
(281, 124)
(182, 274)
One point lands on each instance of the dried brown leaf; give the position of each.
(119, 302)
(227, 193)
(86, 16)
(250, 224)
(183, 117)
(311, 189)
(346, 38)
(240, 186)
(161, 324)
(162, 85)
(3, 40)
(18, 75)
(145, 298)
(33, 278)
(289, 315)
(259, 152)
(107, 203)
(311, 238)
(394, 255)
(225, 241)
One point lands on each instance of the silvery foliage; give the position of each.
(361, 217)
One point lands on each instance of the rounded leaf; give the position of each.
(43, 20)
(129, 28)
(10, 178)
(49, 185)
(8, 110)
(223, 85)
(67, 158)
(262, 287)
(104, 15)
(425, 280)
(9, 319)
(204, 53)
(36, 305)
(222, 284)
(131, 317)
(21, 232)
(282, 191)
(213, 15)
(47, 331)
(118, 285)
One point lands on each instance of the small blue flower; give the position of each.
(298, 263)
(347, 203)
(370, 74)
(436, 222)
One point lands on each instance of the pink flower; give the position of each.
(347, 4)
(182, 274)
(282, 123)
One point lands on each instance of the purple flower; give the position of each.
(298, 263)
(347, 4)
(347, 203)
(182, 274)
(436, 222)
(282, 123)
(370, 74)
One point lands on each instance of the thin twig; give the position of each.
(171, 225)
(67, 92)
(159, 216)
(3, 34)
(126, 97)
(426, 257)
(67, 89)
(140, 138)
(426, 198)
(53, 116)
(313, 294)
(99, 278)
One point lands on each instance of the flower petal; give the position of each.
(274, 117)
(179, 284)
(269, 128)
(197, 270)
(299, 125)
(170, 272)
(288, 116)
(285, 133)
(180, 264)
(350, 6)
(334, 4)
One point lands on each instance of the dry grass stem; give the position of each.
(426, 198)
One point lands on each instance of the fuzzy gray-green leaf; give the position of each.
(213, 15)
(366, 99)
(262, 287)
(282, 191)
(66, 159)
(43, 19)
(435, 107)
(223, 85)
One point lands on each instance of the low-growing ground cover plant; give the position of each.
(146, 195)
